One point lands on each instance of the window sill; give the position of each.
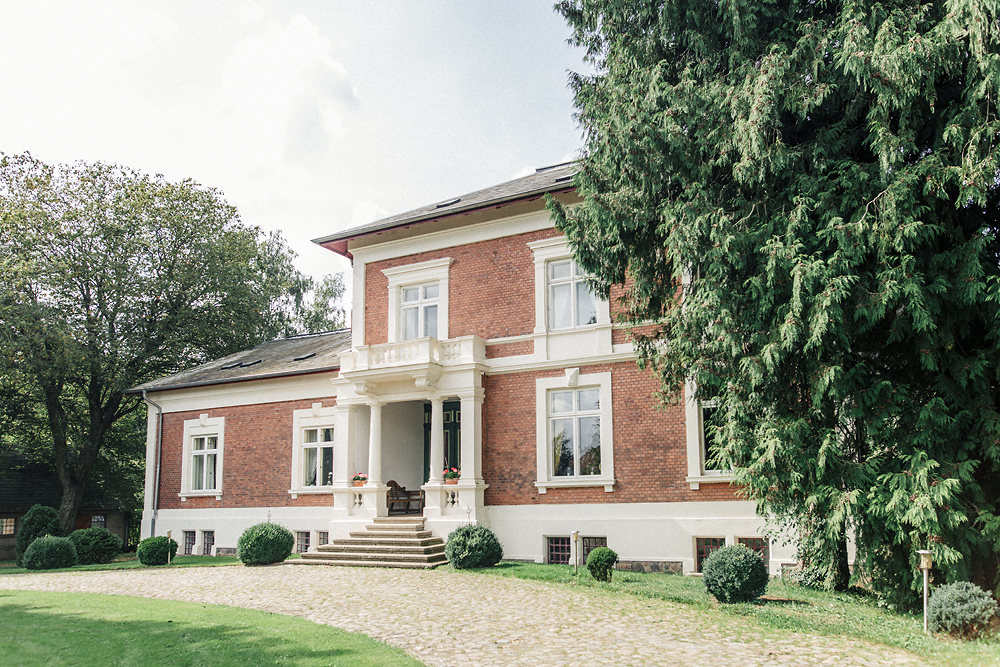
(696, 481)
(200, 494)
(310, 491)
(608, 484)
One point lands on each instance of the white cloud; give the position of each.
(367, 211)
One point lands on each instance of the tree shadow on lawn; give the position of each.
(35, 633)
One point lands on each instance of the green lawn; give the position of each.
(786, 607)
(128, 561)
(84, 630)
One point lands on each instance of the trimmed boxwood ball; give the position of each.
(96, 545)
(735, 574)
(601, 563)
(48, 552)
(153, 550)
(40, 520)
(473, 546)
(265, 543)
(961, 609)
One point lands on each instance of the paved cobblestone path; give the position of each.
(447, 618)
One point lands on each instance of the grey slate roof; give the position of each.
(547, 179)
(310, 353)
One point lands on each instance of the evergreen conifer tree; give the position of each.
(802, 198)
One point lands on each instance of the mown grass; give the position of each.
(128, 561)
(785, 608)
(89, 630)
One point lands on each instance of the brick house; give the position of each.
(475, 344)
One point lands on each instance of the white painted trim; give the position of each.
(313, 417)
(450, 238)
(435, 270)
(193, 428)
(544, 479)
(545, 251)
(310, 386)
(694, 432)
(527, 363)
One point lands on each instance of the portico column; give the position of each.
(375, 444)
(343, 443)
(437, 439)
(472, 437)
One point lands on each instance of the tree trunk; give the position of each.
(842, 579)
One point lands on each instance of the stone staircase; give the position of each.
(394, 541)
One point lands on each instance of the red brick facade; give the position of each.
(491, 288)
(650, 449)
(257, 457)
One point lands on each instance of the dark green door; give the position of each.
(452, 436)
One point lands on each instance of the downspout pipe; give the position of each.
(156, 477)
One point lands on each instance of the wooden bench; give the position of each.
(399, 499)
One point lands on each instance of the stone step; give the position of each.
(359, 563)
(394, 527)
(399, 518)
(382, 557)
(389, 541)
(391, 534)
(381, 548)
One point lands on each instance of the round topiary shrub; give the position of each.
(601, 563)
(473, 546)
(961, 609)
(155, 550)
(49, 552)
(735, 574)
(95, 545)
(40, 520)
(265, 543)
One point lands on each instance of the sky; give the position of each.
(310, 117)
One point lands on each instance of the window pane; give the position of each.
(590, 445)
(198, 444)
(327, 434)
(586, 305)
(562, 401)
(411, 294)
(560, 306)
(309, 466)
(211, 442)
(309, 435)
(431, 321)
(559, 270)
(327, 468)
(708, 436)
(562, 447)
(198, 473)
(431, 291)
(210, 471)
(590, 399)
(411, 323)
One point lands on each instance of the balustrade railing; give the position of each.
(468, 349)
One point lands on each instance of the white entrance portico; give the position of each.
(382, 391)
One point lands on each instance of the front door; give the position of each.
(452, 436)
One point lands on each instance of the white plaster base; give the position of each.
(636, 531)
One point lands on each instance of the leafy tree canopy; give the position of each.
(801, 197)
(110, 278)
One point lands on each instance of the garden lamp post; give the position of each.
(926, 562)
(576, 551)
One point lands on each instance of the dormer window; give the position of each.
(419, 311)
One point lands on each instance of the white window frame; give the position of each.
(573, 379)
(202, 427)
(412, 275)
(695, 436)
(315, 417)
(547, 251)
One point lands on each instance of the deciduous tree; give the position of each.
(110, 278)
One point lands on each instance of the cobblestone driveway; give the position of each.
(448, 618)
